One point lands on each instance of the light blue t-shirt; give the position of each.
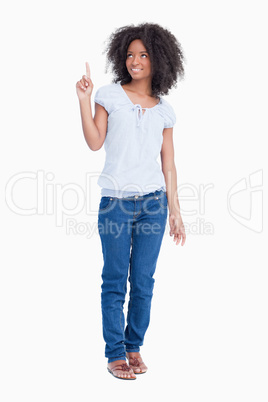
(133, 143)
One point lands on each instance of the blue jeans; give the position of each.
(131, 231)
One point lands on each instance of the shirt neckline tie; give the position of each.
(139, 112)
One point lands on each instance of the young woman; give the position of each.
(135, 124)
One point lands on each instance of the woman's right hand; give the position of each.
(84, 87)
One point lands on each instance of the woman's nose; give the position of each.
(135, 60)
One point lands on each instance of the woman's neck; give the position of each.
(141, 87)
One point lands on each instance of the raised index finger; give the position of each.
(87, 69)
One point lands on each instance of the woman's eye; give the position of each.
(131, 55)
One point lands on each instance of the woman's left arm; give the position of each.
(170, 173)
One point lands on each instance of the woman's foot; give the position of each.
(120, 369)
(136, 363)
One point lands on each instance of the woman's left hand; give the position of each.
(177, 228)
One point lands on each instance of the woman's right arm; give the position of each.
(94, 128)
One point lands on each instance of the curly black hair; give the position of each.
(165, 53)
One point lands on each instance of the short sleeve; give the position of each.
(104, 98)
(168, 114)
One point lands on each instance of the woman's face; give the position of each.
(138, 61)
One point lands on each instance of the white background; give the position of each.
(208, 334)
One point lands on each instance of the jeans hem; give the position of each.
(113, 359)
(129, 350)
